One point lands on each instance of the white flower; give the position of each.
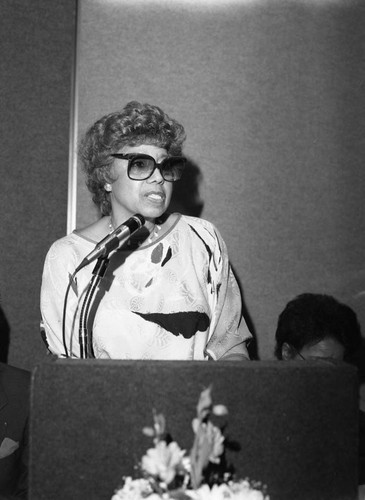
(133, 489)
(163, 461)
(242, 490)
(220, 410)
(148, 431)
(233, 491)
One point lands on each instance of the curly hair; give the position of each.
(310, 317)
(134, 125)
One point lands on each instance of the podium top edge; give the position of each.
(181, 364)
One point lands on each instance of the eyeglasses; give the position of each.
(141, 166)
(298, 353)
(313, 358)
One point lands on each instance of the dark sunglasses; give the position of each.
(141, 166)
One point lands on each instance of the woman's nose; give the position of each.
(157, 176)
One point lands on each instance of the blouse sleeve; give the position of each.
(229, 332)
(59, 266)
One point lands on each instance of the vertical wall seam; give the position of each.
(72, 168)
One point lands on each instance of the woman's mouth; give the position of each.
(156, 196)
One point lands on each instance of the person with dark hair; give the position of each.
(14, 444)
(168, 291)
(317, 326)
(14, 416)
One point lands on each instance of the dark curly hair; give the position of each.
(134, 125)
(310, 317)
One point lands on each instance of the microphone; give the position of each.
(121, 234)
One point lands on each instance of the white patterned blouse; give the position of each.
(175, 298)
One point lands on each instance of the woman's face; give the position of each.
(150, 197)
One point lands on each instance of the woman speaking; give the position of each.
(168, 291)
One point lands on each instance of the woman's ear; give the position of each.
(287, 352)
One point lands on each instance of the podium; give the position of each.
(294, 424)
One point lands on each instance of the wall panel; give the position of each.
(36, 63)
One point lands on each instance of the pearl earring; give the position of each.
(108, 187)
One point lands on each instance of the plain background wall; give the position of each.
(36, 48)
(271, 94)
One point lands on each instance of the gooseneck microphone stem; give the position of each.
(85, 339)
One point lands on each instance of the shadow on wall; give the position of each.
(186, 195)
(4, 337)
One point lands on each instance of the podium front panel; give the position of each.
(293, 425)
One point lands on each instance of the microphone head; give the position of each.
(140, 219)
(112, 241)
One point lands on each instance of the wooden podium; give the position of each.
(295, 424)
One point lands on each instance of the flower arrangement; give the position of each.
(169, 474)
